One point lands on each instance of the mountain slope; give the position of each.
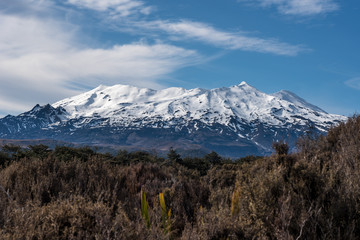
(293, 98)
(234, 121)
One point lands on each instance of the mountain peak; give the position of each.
(35, 108)
(243, 83)
(100, 87)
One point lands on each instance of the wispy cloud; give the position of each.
(26, 6)
(116, 7)
(41, 60)
(299, 7)
(353, 83)
(190, 30)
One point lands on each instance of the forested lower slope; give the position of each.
(70, 193)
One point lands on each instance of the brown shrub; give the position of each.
(312, 194)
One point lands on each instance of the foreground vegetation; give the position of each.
(73, 193)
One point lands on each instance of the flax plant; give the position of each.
(144, 208)
(165, 214)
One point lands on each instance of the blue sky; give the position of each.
(52, 49)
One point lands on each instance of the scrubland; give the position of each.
(76, 193)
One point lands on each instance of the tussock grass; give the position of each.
(79, 194)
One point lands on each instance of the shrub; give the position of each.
(79, 194)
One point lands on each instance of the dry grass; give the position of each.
(78, 194)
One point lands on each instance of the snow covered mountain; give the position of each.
(233, 121)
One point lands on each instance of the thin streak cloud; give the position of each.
(353, 83)
(298, 7)
(122, 8)
(189, 30)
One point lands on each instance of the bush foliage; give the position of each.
(70, 193)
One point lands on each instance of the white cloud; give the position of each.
(354, 83)
(120, 7)
(23, 35)
(299, 7)
(40, 62)
(42, 57)
(227, 40)
(189, 29)
(26, 6)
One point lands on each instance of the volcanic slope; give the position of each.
(234, 121)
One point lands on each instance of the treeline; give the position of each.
(77, 193)
(11, 153)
